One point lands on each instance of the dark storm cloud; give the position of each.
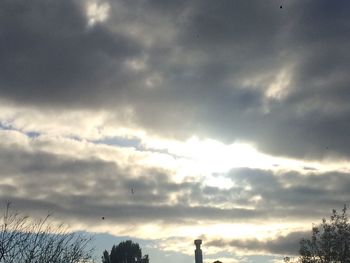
(313, 119)
(283, 245)
(211, 63)
(48, 54)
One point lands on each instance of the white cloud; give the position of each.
(97, 12)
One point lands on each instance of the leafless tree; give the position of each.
(27, 240)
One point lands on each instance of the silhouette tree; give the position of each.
(329, 241)
(125, 252)
(25, 240)
(105, 257)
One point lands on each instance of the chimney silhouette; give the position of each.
(198, 252)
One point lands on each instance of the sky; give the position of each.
(174, 120)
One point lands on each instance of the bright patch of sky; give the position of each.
(97, 12)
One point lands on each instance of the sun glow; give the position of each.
(208, 157)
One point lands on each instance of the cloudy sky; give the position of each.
(223, 120)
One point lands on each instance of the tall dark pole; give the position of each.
(198, 252)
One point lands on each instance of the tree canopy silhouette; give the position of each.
(125, 252)
(329, 241)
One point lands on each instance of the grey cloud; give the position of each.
(231, 41)
(315, 114)
(203, 53)
(82, 208)
(49, 55)
(291, 194)
(283, 245)
(85, 187)
(235, 25)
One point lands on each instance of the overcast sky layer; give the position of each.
(175, 120)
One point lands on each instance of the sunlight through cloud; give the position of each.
(97, 12)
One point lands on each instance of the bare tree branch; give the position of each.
(25, 240)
